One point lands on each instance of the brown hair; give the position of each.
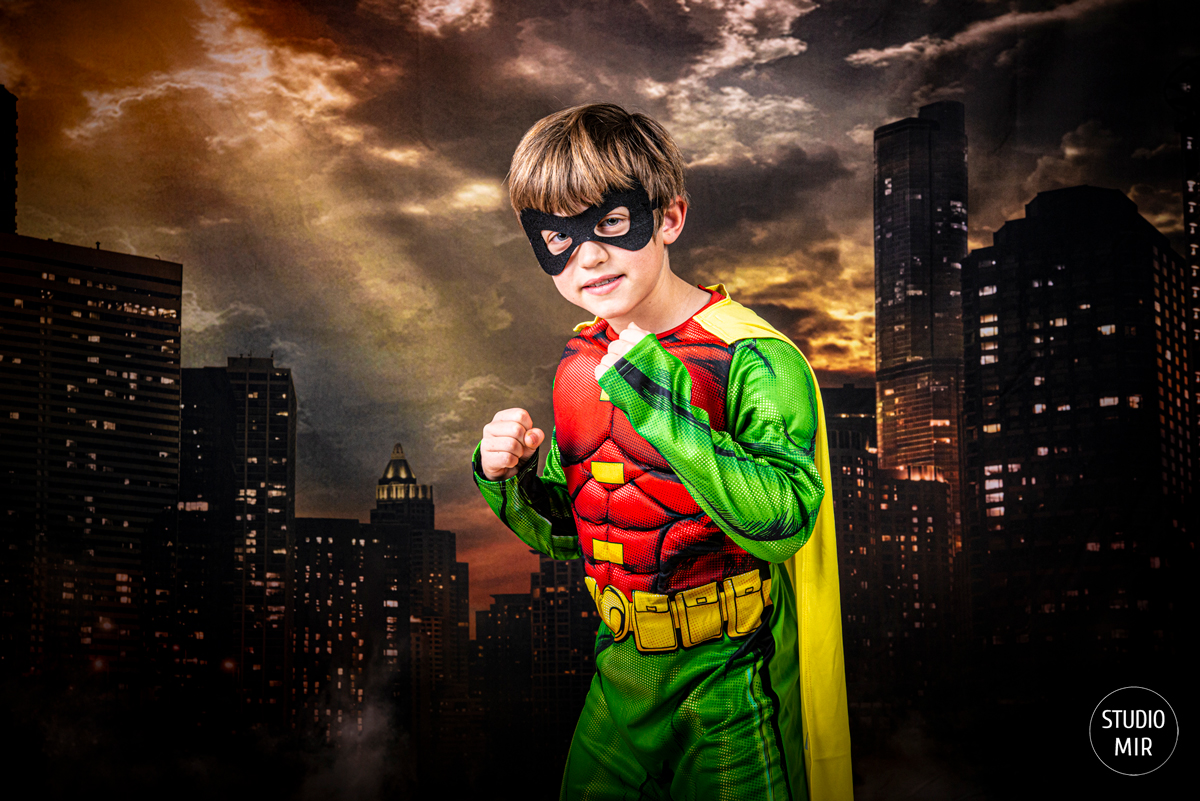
(573, 157)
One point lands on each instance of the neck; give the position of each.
(668, 306)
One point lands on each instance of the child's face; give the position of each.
(612, 282)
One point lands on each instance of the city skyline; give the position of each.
(307, 152)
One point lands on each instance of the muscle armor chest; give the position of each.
(639, 529)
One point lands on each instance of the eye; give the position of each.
(615, 224)
(556, 242)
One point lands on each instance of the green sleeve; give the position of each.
(538, 510)
(757, 479)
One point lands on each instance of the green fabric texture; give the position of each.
(691, 725)
(758, 480)
(537, 510)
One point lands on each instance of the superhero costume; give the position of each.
(688, 480)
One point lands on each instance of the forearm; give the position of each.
(757, 480)
(537, 510)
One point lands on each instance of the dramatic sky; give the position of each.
(331, 176)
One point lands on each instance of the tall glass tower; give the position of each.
(920, 242)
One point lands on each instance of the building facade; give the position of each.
(265, 512)
(336, 627)
(920, 242)
(1079, 433)
(89, 441)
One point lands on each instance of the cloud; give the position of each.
(978, 34)
(433, 17)
(747, 33)
(1085, 153)
(194, 318)
(714, 125)
(275, 91)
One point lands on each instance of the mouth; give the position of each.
(602, 284)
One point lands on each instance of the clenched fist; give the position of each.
(620, 346)
(508, 442)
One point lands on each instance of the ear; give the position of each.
(674, 215)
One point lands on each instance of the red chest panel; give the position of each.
(638, 527)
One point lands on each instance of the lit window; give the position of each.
(992, 469)
(989, 330)
(1037, 282)
(993, 483)
(991, 428)
(1038, 380)
(989, 345)
(995, 511)
(1093, 546)
(1111, 400)
(1059, 322)
(987, 358)
(1043, 451)
(987, 290)
(1107, 329)
(1065, 407)
(994, 497)
(939, 423)
(1038, 408)
(1135, 401)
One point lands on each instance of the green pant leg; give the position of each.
(601, 764)
(691, 724)
(736, 748)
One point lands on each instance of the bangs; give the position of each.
(571, 159)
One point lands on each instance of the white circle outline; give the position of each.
(1093, 717)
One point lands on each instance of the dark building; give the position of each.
(1079, 438)
(400, 505)
(89, 439)
(431, 625)
(1183, 93)
(192, 583)
(502, 683)
(916, 576)
(850, 427)
(503, 638)
(337, 621)
(920, 242)
(439, 636)
(564, 623)
(265, 511)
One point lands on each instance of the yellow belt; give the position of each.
(665, 622)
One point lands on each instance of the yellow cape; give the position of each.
(814, 572)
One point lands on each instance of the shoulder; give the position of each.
(589, 338)
(733, 323)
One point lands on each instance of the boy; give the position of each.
(687, 468)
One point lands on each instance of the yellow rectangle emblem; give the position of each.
(604, 551)
(608, 472)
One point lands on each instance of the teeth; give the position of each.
(602, 283)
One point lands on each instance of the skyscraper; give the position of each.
(1079, 436)
(265, 513)
(920, 242)
(431, 626)
(338, 594)
(192, 573)
(89, 438)
(564, 636)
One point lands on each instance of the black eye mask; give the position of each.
(582, 227)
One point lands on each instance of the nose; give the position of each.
(589, 255)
